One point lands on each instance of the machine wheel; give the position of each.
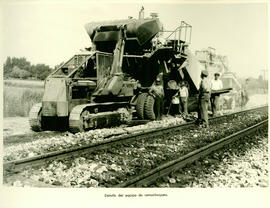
(140, 105)
(149, 108)
(35, 117)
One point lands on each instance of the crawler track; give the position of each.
(149, 177)
(16, 166)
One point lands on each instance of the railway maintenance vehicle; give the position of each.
(109, 83)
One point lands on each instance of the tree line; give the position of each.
(21, 68)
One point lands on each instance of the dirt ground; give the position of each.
(16, 126)
(20, 125)
(257, 99)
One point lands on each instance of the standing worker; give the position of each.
(216, 84)
(244, 93)
(158, 92)
(183, 98)
(204, 96)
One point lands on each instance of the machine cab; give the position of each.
(69, 85)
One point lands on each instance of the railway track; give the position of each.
(40, 160)
(147, 178)
(14, 167)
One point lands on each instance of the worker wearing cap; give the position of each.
(204, 96)
(158, 92)
(216, 84)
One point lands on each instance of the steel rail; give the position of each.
(17, 165)
(166, 168)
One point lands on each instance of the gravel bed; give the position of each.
(67, 140)
(44, 142)
(241, 164)
(112, 166)
(60, 141)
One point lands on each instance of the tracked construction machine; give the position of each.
(109, 83)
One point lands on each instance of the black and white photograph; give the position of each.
(158, 96)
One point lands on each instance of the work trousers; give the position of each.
(159, 107)
(215, 104)
(175, 109)
(183, 105)
(244, 100)
(203, 111)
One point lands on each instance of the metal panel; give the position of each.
(104, 63)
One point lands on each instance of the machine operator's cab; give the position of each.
(69, 85)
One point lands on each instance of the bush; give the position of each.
(19, 73)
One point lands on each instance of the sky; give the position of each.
(49, 32)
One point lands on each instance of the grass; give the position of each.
(19, 100)
(24, 83)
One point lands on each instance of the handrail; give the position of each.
(184, 34)
(172, 32)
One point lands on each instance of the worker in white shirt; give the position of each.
(183, 95)
(216, 84)
(180, 99)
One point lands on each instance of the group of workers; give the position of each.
(182, 95)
